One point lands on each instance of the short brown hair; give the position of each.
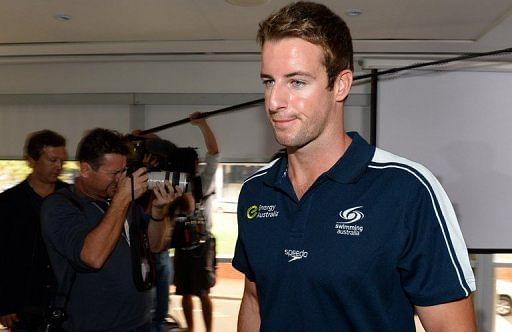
(37, 141)
(97, 143)
(316, 24)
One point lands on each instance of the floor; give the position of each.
(226, 297)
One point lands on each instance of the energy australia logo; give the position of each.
(349, 218)
(261, 211)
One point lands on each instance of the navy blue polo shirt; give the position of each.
(372, 237)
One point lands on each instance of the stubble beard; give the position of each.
(295, 139)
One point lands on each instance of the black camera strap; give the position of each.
(58, 307)
(57, 310)
(70, 274)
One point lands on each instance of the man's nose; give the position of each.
(277, 98)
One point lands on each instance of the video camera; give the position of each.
(168, 162)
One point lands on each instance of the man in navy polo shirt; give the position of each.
(338, 235)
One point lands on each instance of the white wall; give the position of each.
(72, 97)
(458, 124)
(131, 77)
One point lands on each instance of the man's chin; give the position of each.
(285, 140)
(51, 179)
(111, 192)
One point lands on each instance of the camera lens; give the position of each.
(177, 179)
(154, 178)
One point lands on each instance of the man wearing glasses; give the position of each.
(87, 232)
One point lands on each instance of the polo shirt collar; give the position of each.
(354, 162)
(348, 169)
(278, 173)
(104, 204)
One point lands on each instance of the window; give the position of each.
(15, 171)
(503, 305)
(229, 179)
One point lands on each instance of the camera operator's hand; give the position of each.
(140, 184)
(150, 160)
(165, 194)
(9, 320)
(159, 230)
(196, 119)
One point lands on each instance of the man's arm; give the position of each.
(456, 316)
(249, 315)
(11, 283)
(102, 239)
(159, 232)
(209, 138)
(6, 319)
(4, 253)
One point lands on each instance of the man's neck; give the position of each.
(41, 188)
(306, 164)
(82, 189)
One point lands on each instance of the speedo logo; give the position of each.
(295, 254)
(261, 211)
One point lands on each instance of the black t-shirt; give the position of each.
(26, 278)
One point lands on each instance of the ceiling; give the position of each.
(29, 29)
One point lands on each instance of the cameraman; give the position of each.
(194, 267)
(87, 232)
(26, 277)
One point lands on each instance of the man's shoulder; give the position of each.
(61, 184)
(408, 175)
(24, 187)
(15, 190)
(59, 196)
(264, 173)
(60, 204)
(386, 160)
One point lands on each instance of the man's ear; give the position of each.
(31, 162)
(343, 84)
(85, 169)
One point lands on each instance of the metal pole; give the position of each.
(373, 107)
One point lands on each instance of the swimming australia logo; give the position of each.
(261, 211)
(295, 254)
(350, 217)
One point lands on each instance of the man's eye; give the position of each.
(268, 83)
(298, 84)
